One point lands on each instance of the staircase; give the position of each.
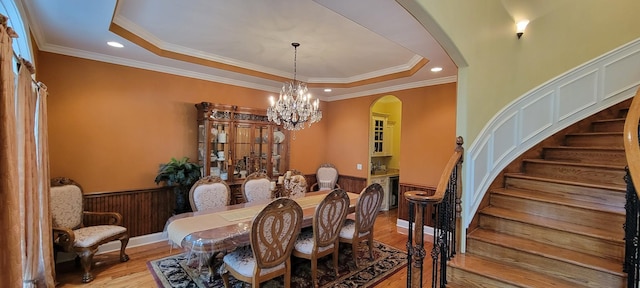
(558, 222)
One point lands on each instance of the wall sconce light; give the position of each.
(520, 26)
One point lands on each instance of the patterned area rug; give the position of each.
(174, 271)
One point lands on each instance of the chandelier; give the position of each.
(294, 107)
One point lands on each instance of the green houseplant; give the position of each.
(181, 174)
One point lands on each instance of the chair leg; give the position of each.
(354, 251)
(314, 271)
(287, 273)
(86, 257)
(123, 245)
(225, 279)
(370, 240)
(335, 259)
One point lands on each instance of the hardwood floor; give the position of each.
(109, 272)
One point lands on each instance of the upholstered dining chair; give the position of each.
(273, 233)
(209, 192)
(360, 229)
(322, 239)
(257, 186)
(69, 232)
(327, 178)
(296, 186)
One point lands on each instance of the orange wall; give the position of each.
(427, 137)
(110, 126)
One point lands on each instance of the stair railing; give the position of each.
(447, 223)
(631, 229)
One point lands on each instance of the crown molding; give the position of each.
(418, 84)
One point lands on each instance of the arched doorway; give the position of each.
(384, 146)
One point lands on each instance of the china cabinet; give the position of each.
(234, 142)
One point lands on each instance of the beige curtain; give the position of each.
(27, 253)
(10, 241)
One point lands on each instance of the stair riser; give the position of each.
(608, 126)
(472, 280)
(590, 194)
(582, 275)
(594, 156)
(586, 174)
(564, 239)
(598, 219)
(608, 140)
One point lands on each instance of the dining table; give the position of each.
(216, 232)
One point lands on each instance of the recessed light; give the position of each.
(115, 44)
(436, 69)
(327, 90)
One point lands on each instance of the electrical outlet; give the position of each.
(359, 166)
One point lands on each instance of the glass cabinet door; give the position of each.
(261, 147)
(278, 152)
(242, 152)
(219, 150)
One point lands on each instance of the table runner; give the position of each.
(180, 228)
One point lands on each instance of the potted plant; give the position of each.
(181, 174)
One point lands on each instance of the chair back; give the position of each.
(274, 231)
(257, 186)
(66, 203)
(209, 192)
(296, 186)
(329, 217)
(367, 207)
(327, 177)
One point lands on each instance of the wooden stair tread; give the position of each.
(506, 273)
(575, 183)
(585, 148)
(534, 247)
(609, 120)
(550, 223)
(567, 163)
(595, 133)
(552, 198)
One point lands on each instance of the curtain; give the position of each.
(27, 253)
(10, 241)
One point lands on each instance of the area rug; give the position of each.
(174, 271)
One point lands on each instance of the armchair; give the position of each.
(69, 232)
(327, 177)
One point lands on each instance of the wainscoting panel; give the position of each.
(352, 184)
(146, 211)
(403, 204)
(143, 211)
(543, 111)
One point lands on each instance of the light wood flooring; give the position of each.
(109, 272)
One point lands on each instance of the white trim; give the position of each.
(568, 98)
(133, 242)
(404, 224)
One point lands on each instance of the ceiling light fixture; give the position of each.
(294, 106)
(436, 69)
(327, 90)
(115, 44)
(520, 26)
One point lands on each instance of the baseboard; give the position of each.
(404, 224)
(133, 242)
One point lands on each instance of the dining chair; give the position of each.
(296, 186)
(257, 186)
(70, 234)
(273, 233)
(360, 229)
(326, 177)
(209, 192)
(322, 239)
